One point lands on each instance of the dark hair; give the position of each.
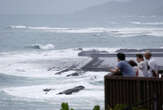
(132, 63)
(121, 56)
(139, 56)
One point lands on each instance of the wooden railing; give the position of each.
(134, 91)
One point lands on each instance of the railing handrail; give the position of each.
(134, 90)
(132, 78)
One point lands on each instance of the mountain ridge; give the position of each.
(130, 8)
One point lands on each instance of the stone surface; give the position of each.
(72, 90)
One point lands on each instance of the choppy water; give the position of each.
(27, 52)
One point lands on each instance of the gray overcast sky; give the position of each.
(45, 6)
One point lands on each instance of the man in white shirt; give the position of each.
(153, 67)
(142, 66)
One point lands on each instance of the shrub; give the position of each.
(97, 107)
(65, 106)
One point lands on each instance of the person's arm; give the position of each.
(154, 68)
(115, 71)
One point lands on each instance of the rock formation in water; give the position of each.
(72, 90)
(46, 90)
(77, 73)
(67, 69)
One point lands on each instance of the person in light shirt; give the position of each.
(142, 66)
(153, 67)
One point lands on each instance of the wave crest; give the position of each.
(146, 23)
(43, 47)
(115, 32)
(17, 27)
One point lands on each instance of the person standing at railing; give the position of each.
(152, 65)
(134, 66)
(122, 67)
(142, 66)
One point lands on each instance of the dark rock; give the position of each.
(47, 90)
(73, 90)
(80, 49)
(67, 69)
(76, 73)
(49, 69)
(73, 74)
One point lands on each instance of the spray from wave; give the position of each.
(42, 47)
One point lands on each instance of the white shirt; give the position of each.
(142, 69)
(153, 66)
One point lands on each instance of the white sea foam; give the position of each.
(133, 32)
(18, 26)
(92, 93)
(90, 96)
(61, 84)
(147, 23)
(37, 64)
(115, 32)
(44, 63)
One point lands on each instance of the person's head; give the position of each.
(121, 56)
(147, 55)
(132, 63)
(139, 57)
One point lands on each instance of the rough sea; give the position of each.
(34, 48)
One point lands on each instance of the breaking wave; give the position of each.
(39, 64)
(116, 32)
(17, 27)
(43, 47)
(147, 23)
(35, 71)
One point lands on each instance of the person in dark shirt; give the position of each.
(123, 66)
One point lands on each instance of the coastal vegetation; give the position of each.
(65, 106)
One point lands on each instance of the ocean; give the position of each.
(34, 48)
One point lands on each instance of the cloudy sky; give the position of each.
(45, 6)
